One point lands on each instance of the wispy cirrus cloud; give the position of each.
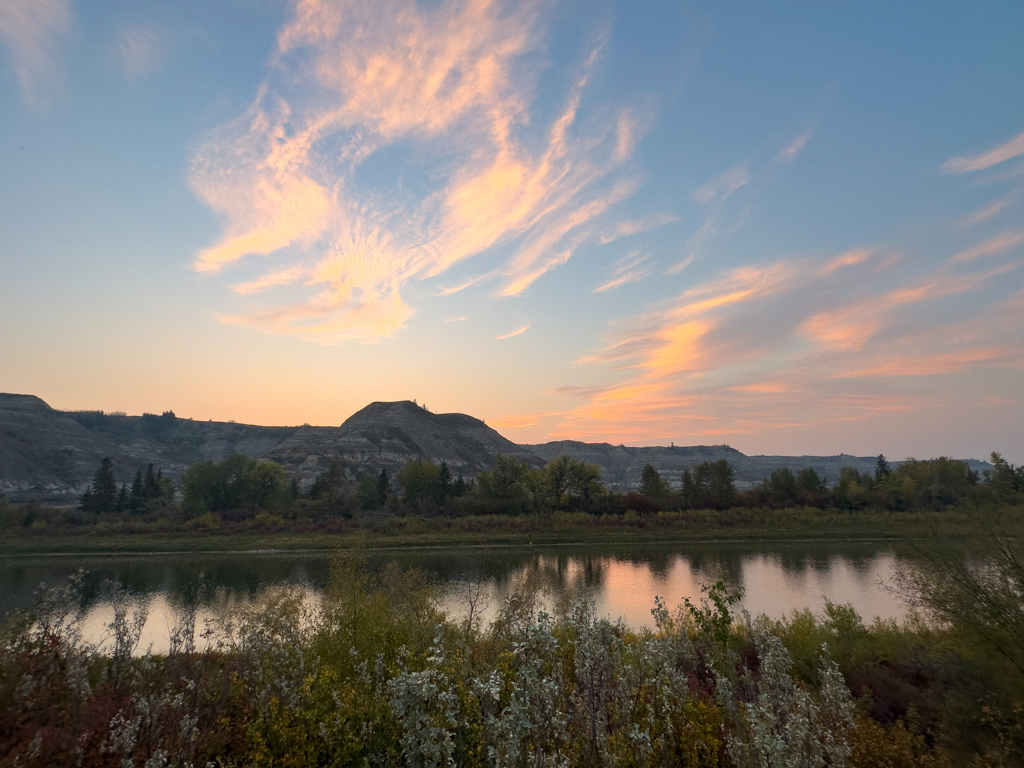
(796, 343)
(712, 196)
(287, 276)
(451, 84)
(141, 49)
(626, 270)
(789, 154)
(631, 227)
(991, 210)
(517, 332)
(31, 30)
(1001, 243)
(1011, 149)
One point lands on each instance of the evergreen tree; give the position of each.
(137, 500)
(689, 490)
(152, 489)
(882, 468)
(102, 496)
(122, 499)
(382, 488)
(445, 482)
(651, 483)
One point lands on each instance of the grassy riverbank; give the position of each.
(213, 535)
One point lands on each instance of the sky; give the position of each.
(792, 228)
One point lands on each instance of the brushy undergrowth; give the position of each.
(375, 675)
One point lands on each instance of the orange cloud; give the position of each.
(763, 387)
(453, 78)
(516, 332)
(523, 421)
(848, 259)
(932, 365)
(270, 279)
(786, 346)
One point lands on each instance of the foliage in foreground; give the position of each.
(375, 674)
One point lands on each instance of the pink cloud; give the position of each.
(1011, 149)
(786, 346)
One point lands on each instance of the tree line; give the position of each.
(243, 485)
(104, 497)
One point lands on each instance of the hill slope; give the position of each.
(387, 435)
(52, 455)
(622, 466)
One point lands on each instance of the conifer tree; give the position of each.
(652, 484)
(382, 488)
(152, 488)
(137, 499)
(882, 467)
(102, 496)
(445, 482)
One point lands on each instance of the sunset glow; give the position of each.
(632, 223)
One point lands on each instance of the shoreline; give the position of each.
(410, 534)
(456, 546)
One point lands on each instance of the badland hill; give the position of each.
(52, 455)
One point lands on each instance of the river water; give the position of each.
(776, 578)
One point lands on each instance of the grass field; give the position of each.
(558, 528)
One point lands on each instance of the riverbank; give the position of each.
(739, 525)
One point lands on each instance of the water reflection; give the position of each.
(622, 581)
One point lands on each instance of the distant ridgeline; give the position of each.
(53, 455)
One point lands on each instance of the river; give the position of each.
(622, 581)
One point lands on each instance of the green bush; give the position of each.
(235, 483)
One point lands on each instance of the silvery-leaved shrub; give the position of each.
(525, 719)
(427, 708)
(784, 727)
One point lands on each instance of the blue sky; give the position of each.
(793, 228)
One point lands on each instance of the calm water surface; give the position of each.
(622, 580)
